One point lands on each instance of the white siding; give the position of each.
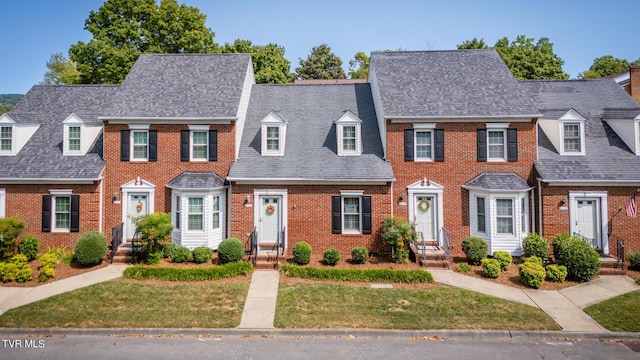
(627, 131)
(208, 236)
(249, 80)
(552, 130)
(377, 102)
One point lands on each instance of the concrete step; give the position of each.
(265, 265)
(119, 259)
(434, 264)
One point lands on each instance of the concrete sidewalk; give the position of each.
(260, 305)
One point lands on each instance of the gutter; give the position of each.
(168, 120)
(304, 181)
(49, 181)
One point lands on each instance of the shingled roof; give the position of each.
(201, 86)
(41, 159)
(460, 83)
(311, 143)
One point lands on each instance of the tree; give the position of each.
(124, 29)
(61, 71)
(604, 66)
(269, 64)
(321, 64)
(529, 60)
(359, 66)
(472, 44)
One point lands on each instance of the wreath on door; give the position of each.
(139, 206)
(270, 210)
(424, 205)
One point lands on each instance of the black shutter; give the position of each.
(439, 142)
(366, 214)
(75, 213)
(153, 145)
(408, 145)
(46, 213)
(213, 145)
(124, 145)
(184, 145)
(482, 144)
(336, 215)
(512, 144)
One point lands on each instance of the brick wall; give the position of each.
(634, 86)
(460, 166)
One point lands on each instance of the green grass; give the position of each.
(621, 313)
(137, 305)
(306, 305)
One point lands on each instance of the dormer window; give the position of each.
(6, 138)
(348, 133)
(79, 136)
(571, 132)
(273, 135)
(74, 138)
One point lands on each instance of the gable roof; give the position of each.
(41, 159)
(607, 157)
(460, 83)
(498, 182)
(201, 86)
(311, 143)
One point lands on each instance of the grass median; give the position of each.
(621, 313)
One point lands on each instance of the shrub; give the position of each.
(29, 247)
(401, 256)
(504, 258)
(46, 273)
(91, 248)
(20, 260)
(535, 245)
(582, 261)
(490, 268)
(331, 256)
(398, 233)
(154, 229)
(359, 255)
(475, 248)
(24, 274)
(155, 257)
(202, 254)
(532, 273)
(168, 248)
(10, 228)
(48, 259)
(464, 268)
(142, 272)
(560, 243)
(9, 271)
(230, 250)
(301, 253)
(181, 254)
(556, 273)
(634, 260)
(358, 275)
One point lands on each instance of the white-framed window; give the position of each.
(351, 214)
(423, 144)
(572, 137)
(216, 212)
(3, 203)
(140, 145)
(195, 215)
(524, 213)
(74, 138)
(199, 145)
(273, 134)
(481, 214)
(6, 138)
(61, 205)
(349, 139)
(496, 145)
(273, 139)
(504, 216)
(178, 217)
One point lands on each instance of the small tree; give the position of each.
(154, 229)
(398, 233)
(10, 228)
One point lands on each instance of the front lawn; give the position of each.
(621, 313)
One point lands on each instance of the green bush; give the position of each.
(154, 229)
(9, 271)
(359, 255)
(475, 248)
(556, 273)
(25, 274)
(46, 273)
(230, 250)
(91, 248)
(202, 254)
(504, 258)
(331, 256)
(560, 243)
(464, 268)
(48, 259)
(357, 275)
(29, 247)
(490, 268)
(535, 245)
(582, 261)
(142, 272)
(182, 254)
(168, 248)
(532, 272)
(301, 253)
(10, 228)
(634, 260)
(20, 260)
(155, 257)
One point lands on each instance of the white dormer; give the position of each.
(565, 133)
(78, 136)
(273, 134)
(13, 136)
(348, 132)
(628, 131)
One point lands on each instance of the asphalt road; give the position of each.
(96, 347)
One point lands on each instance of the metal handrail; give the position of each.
(620, 252)
(116, 238)
(446, 245)
(279, 245)
(254, 245)
(136, 246)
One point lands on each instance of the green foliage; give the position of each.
(490, 268)
(475, 248)
(168, 248)
(634, 260)
(91, 248)
(504, 259)
(398, 233)
(464, 268)
(48, 262)
(202, 254)
(364, 275)
(301, 253)
(604, 66)
(321, 64)
(48, 259)
(8, 271)
(556, 273)
(233, 269)
(532, 272)
(269, 64)
(359, 255)
(154, 258)
(46, 273)
(20, 260)
(7, 101)
(528, 60)
(535, 245)
(24, 274)
(359, 66)
(10, 228)
(154, 229)
(17, 269)
(61, 71)
(582, 261)
(472, 44)
(181, 254)
(331, 256)
(230, 250)
(560, 243)
(29, 246)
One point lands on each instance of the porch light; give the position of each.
(116, 197)
(563, 201)
(247, 200)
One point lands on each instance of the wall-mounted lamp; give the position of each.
(116, 198)
(247, 200)
(401, 198)
(563, 201)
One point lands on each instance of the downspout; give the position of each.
(392, 204)
(228, 212)
(100, 203)
(533, 210)
(540, 207)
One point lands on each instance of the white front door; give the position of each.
(269, 219)
(587, 221)
(138, 206)
(424, 211)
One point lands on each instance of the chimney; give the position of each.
(634, 82)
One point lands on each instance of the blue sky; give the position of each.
(32, 30)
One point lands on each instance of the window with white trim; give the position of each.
(349, 140)
(273, 139)
(195, 213)
(504, 216)
(216, 212)
(178, 211)
(62, 212)
(351, 214)
(496, 145)
(140, 145)
(3, 203)
(571, 138)
(6, 138)
(74, 138)
(524, 212)
(273, 134)
(199, 145)
(481, 214)
(424, 145)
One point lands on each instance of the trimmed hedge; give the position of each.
(181, 254)
(556, 273)
(202, 254)
(301, 253)
(536, 245)
(331, 256)
(475, 248)
(464, 268)
(504, 258)
(582, 261)
(491, 268)
(359, 255)
(230, 250)
(357, 275)
(91, 248)
(233, 269)
(532, 272)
